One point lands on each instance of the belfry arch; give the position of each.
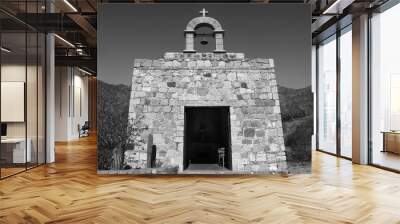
(194, 24)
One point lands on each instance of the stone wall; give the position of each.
(162, 88)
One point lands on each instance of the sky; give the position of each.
(279, 31)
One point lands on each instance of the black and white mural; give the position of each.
(204, 89)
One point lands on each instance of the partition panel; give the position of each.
(15, 149)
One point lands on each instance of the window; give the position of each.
(346, 93)
(327, 95)
(385, 89)
(334, 102)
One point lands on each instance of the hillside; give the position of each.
(297, 120)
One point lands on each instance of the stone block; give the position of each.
(166, 109)
(249, 132)
(171, 84)
(242, 77)
(202, 91)
(207, 75)
(231, 76)
(236, 155)
(192, 64)
(263, 96)
(272, 132)
(274, 147)
(267, 103)
(178, 139)
(247, 142)
(147, 89)
(176, 64)
(135, 101)
(277, 110)
(158, 139)
(260, 133)
(169, 55)
(261, 157)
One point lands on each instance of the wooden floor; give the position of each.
(386, 159)
(70, 191)
(5, 172)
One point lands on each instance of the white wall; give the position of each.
(13, 73)
(71, 102)
(18, 73)
(62, 82)
(81, 104)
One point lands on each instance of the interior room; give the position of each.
(241, 111)
(22, 103)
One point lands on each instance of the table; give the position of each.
(391, 141)
(13, 150)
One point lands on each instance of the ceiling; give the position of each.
(75, 21)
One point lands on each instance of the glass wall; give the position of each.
(22, 88)
(13, 90)
(385, 89)
(334, 91)
(346, 92)
(327, 95)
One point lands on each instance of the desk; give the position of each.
(391, 141)
(13, 150)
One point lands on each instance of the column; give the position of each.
(360, 90)
(50, 92)
(219, 42)
(189, 36)
(50, 98)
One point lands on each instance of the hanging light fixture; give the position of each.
(65, 41)
(70, 6)
(5, 50)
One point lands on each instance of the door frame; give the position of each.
(229, 148)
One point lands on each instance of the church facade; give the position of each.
(206, 113)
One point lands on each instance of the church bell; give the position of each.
(204, 41)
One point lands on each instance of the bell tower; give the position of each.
(196, 23)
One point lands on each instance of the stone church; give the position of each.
(206, 113)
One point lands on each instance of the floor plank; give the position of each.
(70, 191)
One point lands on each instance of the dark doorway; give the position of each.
(207, 130)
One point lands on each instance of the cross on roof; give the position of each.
(204, 12)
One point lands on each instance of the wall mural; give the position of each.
(204, 109)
